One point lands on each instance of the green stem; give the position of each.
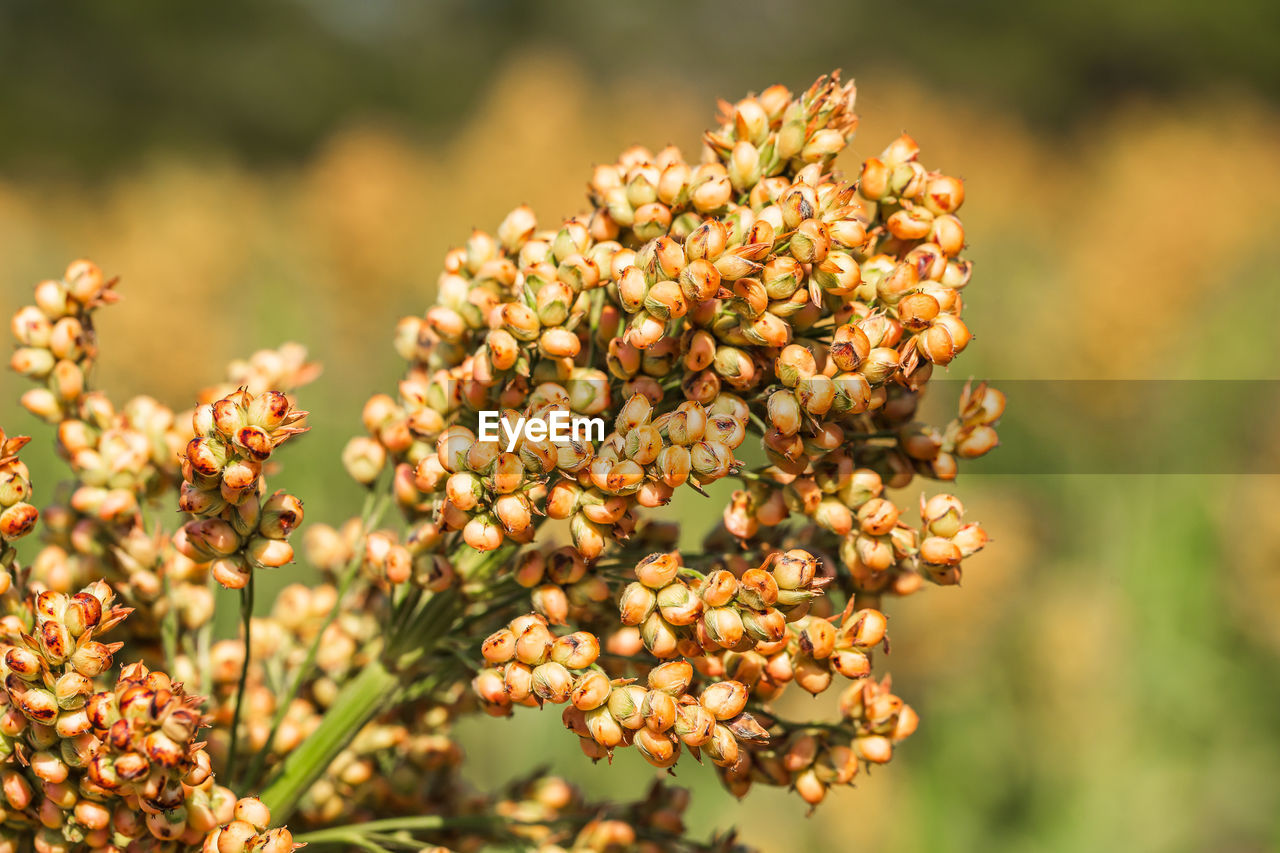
(370, 515)
(381, 829)
(169, 626)
(246, 615)
(344, 833)
(363, 698)
(204, 643)
(378, 686)
(593, 322)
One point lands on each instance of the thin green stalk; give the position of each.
(370, 515)
(381, 829)
(169, 625)
(362, 699)
(344, 833)
(491, 606)
(414, 639)
(593, 322)
(204, 643)
(377, 687)
(493, 827)
(246, 615)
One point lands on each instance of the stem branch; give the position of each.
(363, 698)
(246, 615)
(372, 512)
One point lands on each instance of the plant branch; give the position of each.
(374, 507)
(378, 686)
(246, 615)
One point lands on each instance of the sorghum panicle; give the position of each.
(237, 525)
(17, 516)
(747, 313)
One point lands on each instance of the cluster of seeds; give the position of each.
(17, 516)
(95, 768)
(563, 585)
(536, 667)
(720, 610)
(821, 307)
(884, 554)
(120, 457)
(236, 525)
(641, 464)
(659, 718)
(147, 727)
(814, 650)
(248, 832)
(487, 490)
(746, 314)
(49, 669)
(809, 760)
(56, 340)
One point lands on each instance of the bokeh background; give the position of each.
(1108, 677)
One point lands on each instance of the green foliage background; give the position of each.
(1107, 677)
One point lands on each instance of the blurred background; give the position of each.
(1108, 677)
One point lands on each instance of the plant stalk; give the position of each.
(246, 615)
(362, 699)
(377, 687)
(374, 507)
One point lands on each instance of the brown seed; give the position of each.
(724, 699)
(577, 650)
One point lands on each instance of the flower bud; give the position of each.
(694, 725)
(32, 362)
(970, 539)
(877, 516)
(635, 412)
(657, 570)
(17, 521)
(719, 588)
(499, 647)
(659, 710)
(944, 194)
(936, 551)
(818, 639)
(625, 705)
(758, 589)
(482, 533)
(851, 663)
(551, 602)
(767, 626)
(875, 749)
